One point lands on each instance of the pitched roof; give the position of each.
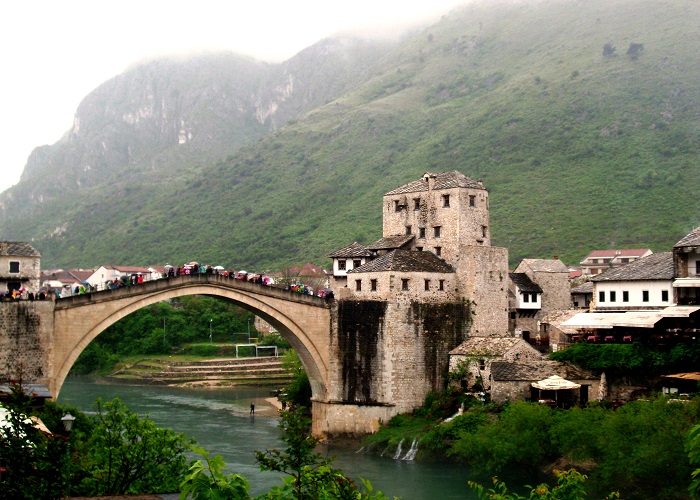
(354, 249)
(630, 252)
(546, 265)
(586, 287)
(486, 346)
(657, 266)
(524, 283)
(537, 370)
(391, 242)
(690, 240)
(128, 269)
(18, 249)
(406, 261)
(443, 180)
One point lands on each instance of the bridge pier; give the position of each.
(348, 419)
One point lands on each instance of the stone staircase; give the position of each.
(214, 372)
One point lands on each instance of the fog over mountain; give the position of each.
(582, 118)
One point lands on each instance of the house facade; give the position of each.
(537, 287)
(686, 268)
(646, 283)
(475, 357)
(599, 261)
(20, 267)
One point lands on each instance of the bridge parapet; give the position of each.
(155, 286)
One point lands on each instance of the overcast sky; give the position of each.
(55, 52)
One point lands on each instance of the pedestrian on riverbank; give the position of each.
(252, 409)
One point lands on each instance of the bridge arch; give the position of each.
(302, 320)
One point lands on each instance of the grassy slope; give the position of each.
(579, 151)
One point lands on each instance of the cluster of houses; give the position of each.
(436, 248)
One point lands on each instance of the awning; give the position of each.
(679, 311)
(590, 320)
(686, 283)
(555, 383)
(634, 319)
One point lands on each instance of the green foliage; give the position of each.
(518, 438)
(299, 389)
(33, 461)
(210, 483)
(127, 454)
(309, 474)
(630, 358)
(570, 486)
(693, 449)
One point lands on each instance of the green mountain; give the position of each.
(581, 117)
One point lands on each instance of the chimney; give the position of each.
(430, 179)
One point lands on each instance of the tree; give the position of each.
(634, 50)
(309, 474)
(608, 50)
(210, 483)
(127, 454)
(33, 461)
(693, 449)
(299, 389)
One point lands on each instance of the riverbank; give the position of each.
(184, 371)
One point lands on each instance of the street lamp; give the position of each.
(67, 421)
(210, 322)
(249, 330)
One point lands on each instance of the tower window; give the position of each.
(421, 232)
(14, 266)
(441, 285)
(408, 229)
(416, 203)
(446, 200)
(404, 284)
(436, 231)
(358, 285)
(373, 285)
(438, 251)
(472, 200)
(483, 231)
(427, 285)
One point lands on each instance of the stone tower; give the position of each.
(448, 214)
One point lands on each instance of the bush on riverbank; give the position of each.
(629, 449)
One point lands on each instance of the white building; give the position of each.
(646, 283)
(599, 261)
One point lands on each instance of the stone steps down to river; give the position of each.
(244, 371)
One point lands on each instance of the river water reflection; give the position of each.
(219, 419)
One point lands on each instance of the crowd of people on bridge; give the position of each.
(137, 278)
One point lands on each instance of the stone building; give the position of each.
(446, 214)
(477, 354)
(19, 267)
(536, 288)
(405, 301)
(686, 269)
(513, 381)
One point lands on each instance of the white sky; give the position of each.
(55, 52)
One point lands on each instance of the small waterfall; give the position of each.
(397, 455)
(411, 454)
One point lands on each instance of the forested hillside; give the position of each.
(582, 118)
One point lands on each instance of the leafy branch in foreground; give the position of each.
(569, 487)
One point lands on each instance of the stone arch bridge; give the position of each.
(366, 361)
